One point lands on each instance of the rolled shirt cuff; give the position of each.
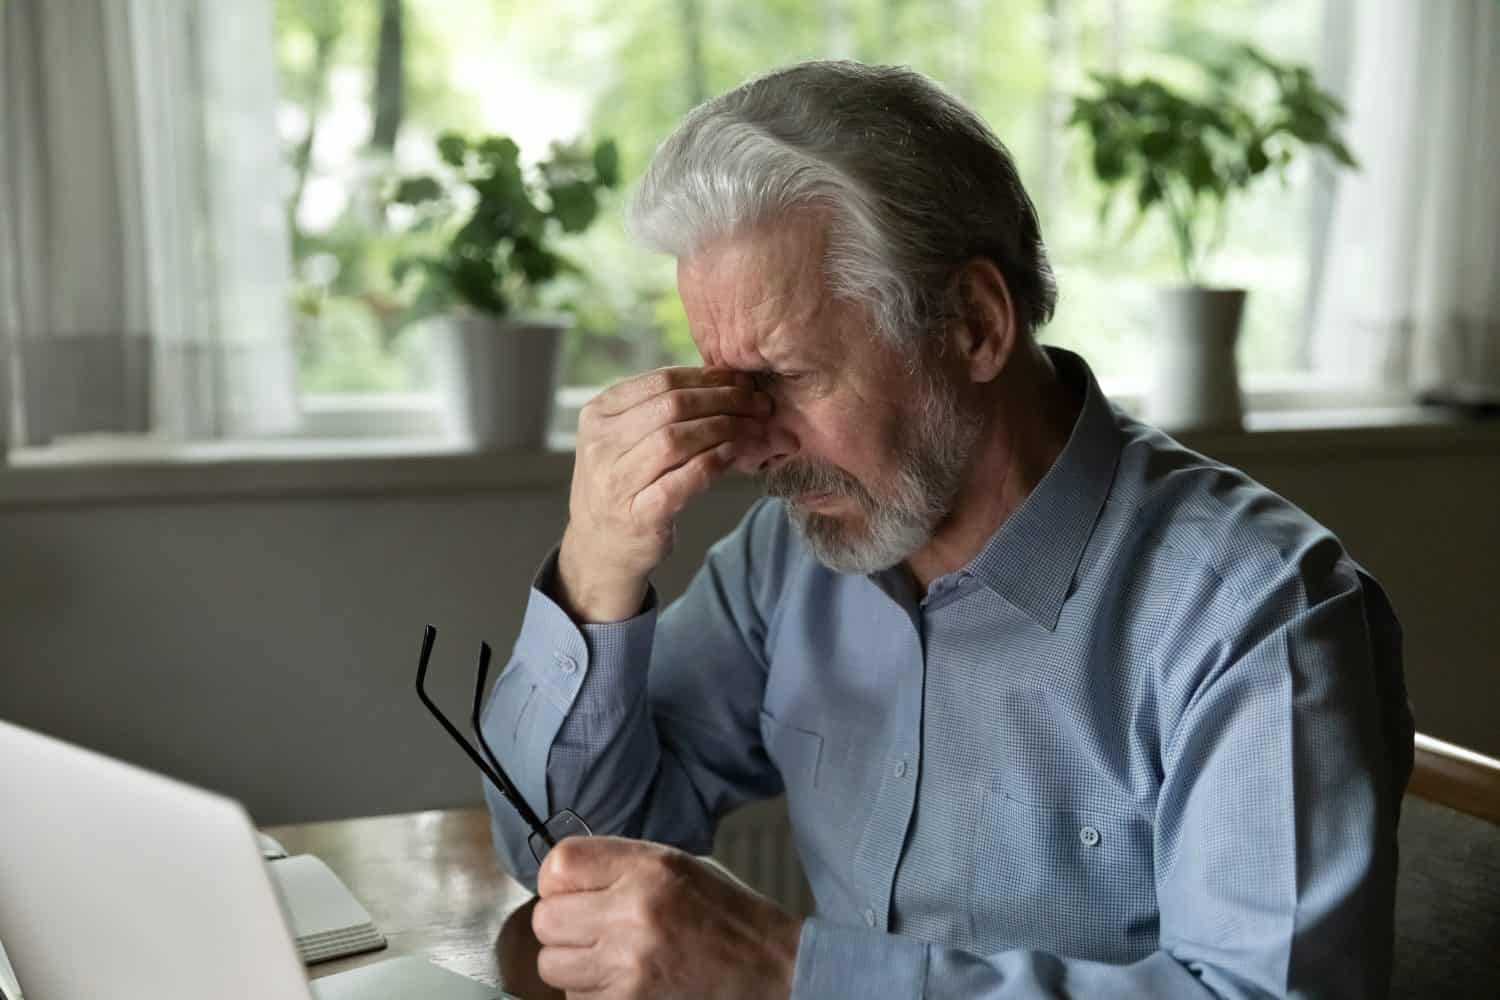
(589, 669)
(835, 962)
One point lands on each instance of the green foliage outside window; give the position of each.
(632, 68)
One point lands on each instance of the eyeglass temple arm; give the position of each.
(496, 774)
(484, 744)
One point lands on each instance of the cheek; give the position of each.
(849, 437)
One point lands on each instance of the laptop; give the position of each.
(117, 882)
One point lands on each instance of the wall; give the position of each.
(263, 641)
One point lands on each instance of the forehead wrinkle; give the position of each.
(793, 333)
(817, 340)
(760, 297)
(737, 332)
(727, 343)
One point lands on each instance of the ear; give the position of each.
(985, 333)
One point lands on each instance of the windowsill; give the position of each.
(93, 472)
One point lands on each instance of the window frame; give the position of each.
(415, 415)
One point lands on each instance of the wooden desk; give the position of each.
(432, 885)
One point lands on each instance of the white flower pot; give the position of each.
(1195, 384)
(499, 378)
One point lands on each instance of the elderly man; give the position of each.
(1059, 707)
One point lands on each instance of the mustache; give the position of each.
(802, 476)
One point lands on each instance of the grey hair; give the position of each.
(915, 183)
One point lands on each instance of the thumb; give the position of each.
(587, 864)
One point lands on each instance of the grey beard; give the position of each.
(932, 463)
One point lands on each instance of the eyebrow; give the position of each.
(793, 356)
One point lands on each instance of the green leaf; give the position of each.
(416, 190)
(1200, 169)
(1309, 126)
(536, 263)
(574, 205)
(1256, 160)
(1156, 144)
(1149, 193)
(500, 152)
(1109, 163)
(504, 187)
(474, 282)
(1341, 153)
(485, 229)
(451, 147)
(607, 163)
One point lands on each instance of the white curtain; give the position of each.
(144, 263)
(1411, 280)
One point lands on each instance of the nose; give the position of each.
(782, 444)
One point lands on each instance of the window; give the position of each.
(366, 86)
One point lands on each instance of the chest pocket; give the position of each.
(1065, 879)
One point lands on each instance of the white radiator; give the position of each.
(755, 843)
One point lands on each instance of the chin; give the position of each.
(845, 543)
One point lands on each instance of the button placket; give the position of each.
(876, 855)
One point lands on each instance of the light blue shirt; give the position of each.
(1150, 742)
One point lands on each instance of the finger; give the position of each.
(571, 969)
(666, 448)
(680, 405)
(669, 494)
(623, 395)
(583, 864)
(570, 919)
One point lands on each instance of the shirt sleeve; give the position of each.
(1286, 744)
(648, 727)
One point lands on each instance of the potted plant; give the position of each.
(496, 225)
(1184, 157)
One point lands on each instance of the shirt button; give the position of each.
(566, 663)
(1089, 836)
(900, 769)
(869, 918)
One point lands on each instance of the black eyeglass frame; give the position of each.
(543, 837)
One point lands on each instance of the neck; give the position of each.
(1029, 416)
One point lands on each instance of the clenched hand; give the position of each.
(629, 920)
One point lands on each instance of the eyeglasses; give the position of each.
(544, 836)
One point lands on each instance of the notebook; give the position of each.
(270, 847)
(326, 920)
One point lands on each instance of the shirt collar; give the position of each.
(1032, 558)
